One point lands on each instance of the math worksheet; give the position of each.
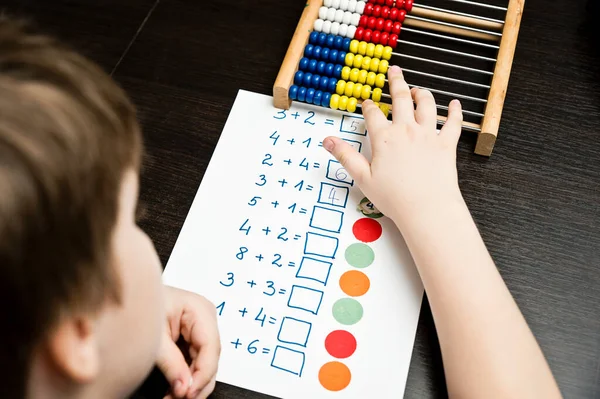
(316, 293)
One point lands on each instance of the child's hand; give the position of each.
(413, 168)
(193, 317)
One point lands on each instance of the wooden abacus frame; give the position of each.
(488, 129)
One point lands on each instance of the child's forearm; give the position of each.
(487, 348)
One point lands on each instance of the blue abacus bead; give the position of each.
(337, 71)
(314, 37)
(346, 45)
(325, 100)
(321, 67)
(308, 51)
(302, 94)
(293, 92)
(316, 79)
(325, 52)
(303, 65)
(330, 41)
(329, 69)
(310, 94)
(299, 78)
(341, 58)
(312, 66)
(318, 97)
(317, 52)
(323, 83)
(331, 85)
(333, 56)
(339, 41)
(307, 79)
(322, 39)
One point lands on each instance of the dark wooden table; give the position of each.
(536, 200)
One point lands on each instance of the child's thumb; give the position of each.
(353, 161)
(172, 364)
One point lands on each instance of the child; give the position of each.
(84, 312)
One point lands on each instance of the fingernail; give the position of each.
(190, 382)
(328, 144)
(394, 70)
(177, 386)
(455, 102)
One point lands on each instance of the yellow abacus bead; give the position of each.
(346, 73)
(380, 80)
(374, 67)
(366, 63)
(357, 90)
(351, 106)
(358, 60)
(378, 52)
(334, 102)
(354, 74)
(354, 46)
(366, 92)
(362, 76)
(371, 78)
(349, 89)
(385, 109)
(370, 49)
(362, 48)
(387, 53)
(383, 66)
(343, 103)
(349, 59)
(376, 94)
(340, 87)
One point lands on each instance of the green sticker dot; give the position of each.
(359, 255)
(347, 311)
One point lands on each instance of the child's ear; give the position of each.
(74, 348)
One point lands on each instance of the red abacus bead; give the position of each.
(400, 3)
(396, 27)
(379, 24)
(393, 40)
(375, 38)
(408, 5)
(368, 9)
(371, 23)
(401, 15)
(364, 20)
(367, 35)
(377, 11)
(385, 37)
(358, 35)
(388, 25)
(385, 12)
(394, 14)
(380, 1)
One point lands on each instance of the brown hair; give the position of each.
(67, 134)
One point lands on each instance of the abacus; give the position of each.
(342, 49)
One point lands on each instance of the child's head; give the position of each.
(79, 282)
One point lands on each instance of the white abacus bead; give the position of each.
(352, 5)
(323, 12)
(343, 30)
(319, 25)
(360, 7)
(335, 28)
(351, 32)
(331, 14)
(355, 19)
(326, 27)
(347, 17)
(327, 3)
(344, 5)
(335, 4)
(339, 16)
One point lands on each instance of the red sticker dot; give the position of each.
(367, 230)
(340, 344)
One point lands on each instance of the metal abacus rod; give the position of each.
(456, 39)
(462, 14)
(474, 3)
(446, 64)
(445, 50)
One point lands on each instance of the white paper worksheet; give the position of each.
(316, 293)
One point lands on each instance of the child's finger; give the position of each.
(207, 390)
(453, 126)
(172, 364)
(402, 103)
(426, 112)
(354, 162)
(374, 118)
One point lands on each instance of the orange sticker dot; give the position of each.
(354, 283)
(334, 376)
